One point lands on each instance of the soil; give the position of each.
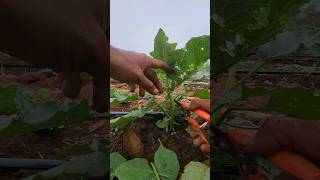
(150, 135)
(45, 144)
(180, 141)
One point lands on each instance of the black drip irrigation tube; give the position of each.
(30, 164)
(44, 164)
(225, 172)
(114, 114)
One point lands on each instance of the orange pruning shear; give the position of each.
(290, 162)
(199, 112)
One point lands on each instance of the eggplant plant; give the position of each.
(270, 29)
(186, 61)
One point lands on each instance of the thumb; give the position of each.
(199, 104)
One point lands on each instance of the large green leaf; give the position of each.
(167, 164)
(135, 169)
(196, 170)
(90, 165)
(117, 97)
(303, 30)
(44, 118)
(239, 27)
(31, 115)
(162, 48)
(296, 102)
(186, 61)
(115, 161)
(202, 93)
(95, 164)
(122, 121)
(7, 96)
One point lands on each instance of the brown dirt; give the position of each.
(44, 144)
(180, 143)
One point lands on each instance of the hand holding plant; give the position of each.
(197, 141)
(137, 68)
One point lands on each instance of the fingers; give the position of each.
(71, 84)
(142, 91)
(199, 104)
(148, 85)
(158, 64)
(262, 146)
(265, 141)
(199, 142)
(151, 75)
(205, 148)
(132, 89)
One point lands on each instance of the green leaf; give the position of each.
(202, 93)
(162, 48)
(5, 121)
(163, 123)
(196, 170)
(296, 102)
(121, 122)
(288, 42)
(85, 78)
(186, 61)
(302, 31)
(239, 27)
(45, 116)
(90, 165)
(115, 161)
(167, 164)
(7, 96)
(189, 60)
(135, 169)
(117, 97)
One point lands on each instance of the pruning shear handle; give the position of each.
(201, 113)
(288, 161)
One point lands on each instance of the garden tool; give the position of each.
(290, 162)
(199, 112)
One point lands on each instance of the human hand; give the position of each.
(283, 133)
(66, 36)
(137, 69)
(197, 141)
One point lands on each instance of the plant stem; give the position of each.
(155, 171)
(244, 78)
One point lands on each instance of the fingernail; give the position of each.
(155, 91)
